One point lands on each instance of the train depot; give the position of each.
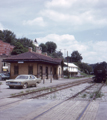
(36, 64)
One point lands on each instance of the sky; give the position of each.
(74, 25)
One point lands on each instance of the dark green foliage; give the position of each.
(19, 49)
(1, 35)
(7, 36)
(51, 47)
(22, 44)
(66, 73)
(57, 54)
(84, 67)
(76, 56)
(26, 43)
(44, 47)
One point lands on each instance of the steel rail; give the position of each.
(74, 84)
(64, 87)
(62, 102)
(57, 87)
(93, 98)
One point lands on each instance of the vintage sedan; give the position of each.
(4, 76)
(23, 81)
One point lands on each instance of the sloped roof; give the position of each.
(70, 65)
(32, 56)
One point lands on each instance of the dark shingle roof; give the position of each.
(32, 56)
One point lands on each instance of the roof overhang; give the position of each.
(30, 60)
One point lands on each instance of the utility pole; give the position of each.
(67, 64)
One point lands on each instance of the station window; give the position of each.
(16, 70)
(30, 70)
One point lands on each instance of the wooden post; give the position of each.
(67, 64)
(43, 81)
(51, 80)
(0, 86)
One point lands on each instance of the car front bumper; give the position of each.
(14, 84)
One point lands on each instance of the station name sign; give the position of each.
(20, 61)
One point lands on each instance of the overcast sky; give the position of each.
(72, 24)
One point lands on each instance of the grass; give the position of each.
(0, 86)
(35, 90)
(0, 83)
(106, 82)
(84, 96)
(97, 93)
(13, 94)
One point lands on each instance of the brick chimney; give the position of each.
(45, 53)
(38, 50)
(30, 49)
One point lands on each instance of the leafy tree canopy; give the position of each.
(57, 54)
(26, 43)
(76, 56)
(84, 67)
(10, 37)
(7, 36)
(19, 49)
(44, 47)
(51, 47)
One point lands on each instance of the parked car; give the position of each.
(4, 76)
(23, 81)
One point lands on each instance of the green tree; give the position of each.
(86, 68)
(76, 56)
(9, 37)
(1, 35)
(57, 54)
(26, 43)
(19, 49)
(44, 47)
(51, 47)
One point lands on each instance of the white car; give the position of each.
(23, 81)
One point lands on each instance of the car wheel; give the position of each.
(0, 77)
(25, 85)
(35, 84)
(11, 87)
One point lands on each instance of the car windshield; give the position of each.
(22, 77)
(4, 74)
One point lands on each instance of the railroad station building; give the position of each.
(37, 64)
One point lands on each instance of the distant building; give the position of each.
(72, 68)
(37, 47)
(35, 43)
(5, 48)
(4, 67)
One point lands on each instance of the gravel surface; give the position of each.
(63, 94)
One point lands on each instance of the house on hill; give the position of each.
(35, 63)
(72, 68)
(5, 50)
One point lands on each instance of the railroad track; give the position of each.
(93, 98)
(45, 91)
(90, 100)
(57, 104)
(49, 90)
